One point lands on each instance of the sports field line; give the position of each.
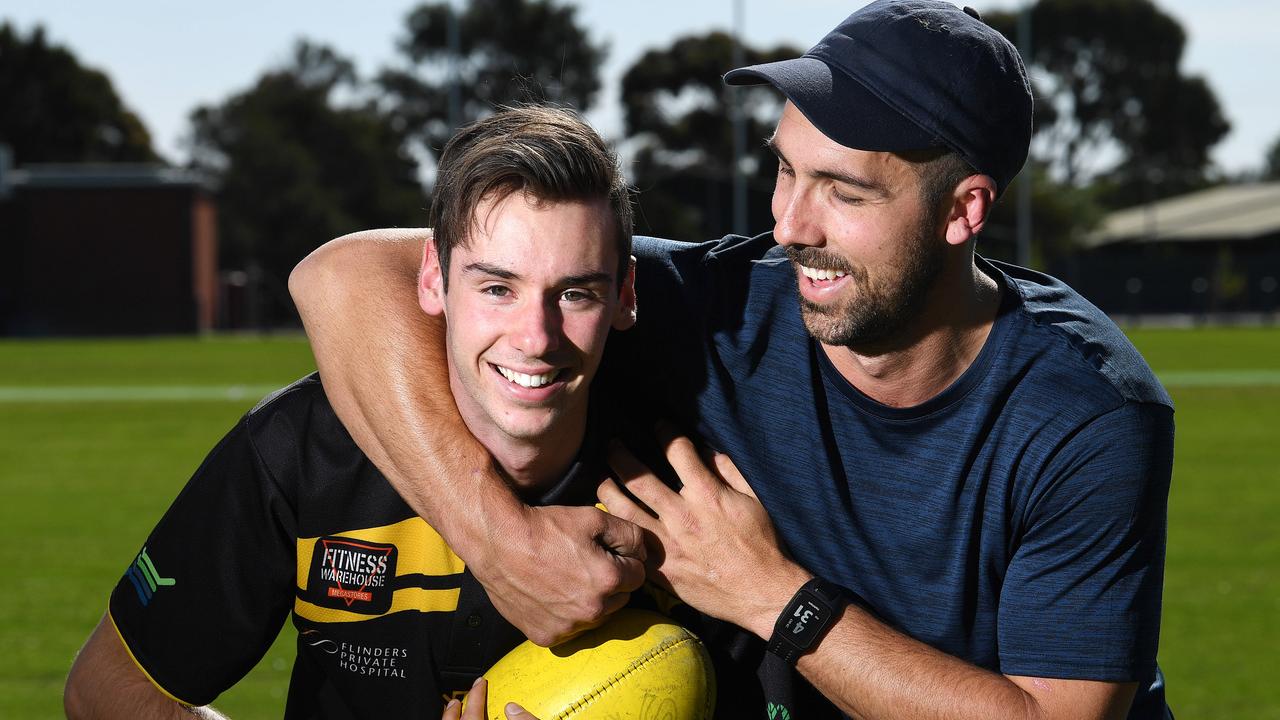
(1220, 378)
(239, 393)
(133, 393)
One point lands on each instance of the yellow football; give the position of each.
(637, 666)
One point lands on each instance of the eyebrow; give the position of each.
(487, 269)
(863, 183)
(590, 278)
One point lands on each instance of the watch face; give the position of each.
(806, 618)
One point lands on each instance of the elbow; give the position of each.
(307, 275)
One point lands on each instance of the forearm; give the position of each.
(104, 683)
(870, 670)
(384, 369)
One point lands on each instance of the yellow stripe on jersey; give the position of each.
(404, 599)
(419, 549)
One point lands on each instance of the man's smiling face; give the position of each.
(865, 247)
(531, 297)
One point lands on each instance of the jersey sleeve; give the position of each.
(207, 594)
(1081, 597)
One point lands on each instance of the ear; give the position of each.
(626, 316)
(970, 204)
(431, 281)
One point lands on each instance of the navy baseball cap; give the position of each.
(903, 75)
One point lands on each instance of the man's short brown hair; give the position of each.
(550, 153)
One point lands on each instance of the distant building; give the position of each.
(1213, 251)
(106, 250)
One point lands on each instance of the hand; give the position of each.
(714, 545)
(476, 704)
(556, 571)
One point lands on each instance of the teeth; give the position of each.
(526, 380)
(821, 274)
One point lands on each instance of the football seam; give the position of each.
(594, 694)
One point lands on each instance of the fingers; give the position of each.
(515, 712)
(640, 481)
(477, 700)
(623, 507)
(727, 470)
(625, 543)
(616, 602)
(621, 536)
(685, 460)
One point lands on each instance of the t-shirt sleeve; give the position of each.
(206, 596)
(685, 293)
(1081, 598)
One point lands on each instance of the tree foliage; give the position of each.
(53, 109)
(295, 168)
(511, 51)
(678, 112)
(1108, 72)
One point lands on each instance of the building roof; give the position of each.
(1229, 212)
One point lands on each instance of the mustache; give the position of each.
(818, 258)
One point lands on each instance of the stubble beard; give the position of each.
(872, 314)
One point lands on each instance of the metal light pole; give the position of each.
(738, 115)
(1024, 181)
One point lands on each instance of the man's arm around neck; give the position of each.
(551, 571)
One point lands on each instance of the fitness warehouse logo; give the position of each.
(352, 575)
(146, 580)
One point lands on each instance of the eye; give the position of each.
(498, 291)
(785, 170)
(576, 295)
(846, 199)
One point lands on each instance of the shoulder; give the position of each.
(689, 259)
(296, 416)
(719, 277)
(1073, 341)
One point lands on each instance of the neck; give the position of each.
(933, 349)
(529, 464)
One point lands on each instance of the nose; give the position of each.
(794, 218)
(538, 330)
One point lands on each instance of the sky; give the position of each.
(166, 58)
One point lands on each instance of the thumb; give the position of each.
(515, 712)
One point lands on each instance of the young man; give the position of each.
(529, 270)
(965, 463)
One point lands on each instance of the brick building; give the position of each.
(106, 250)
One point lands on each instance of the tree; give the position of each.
(510, 51)
(53, 109)
(295, 169)
(677, 111)
(1120, 109)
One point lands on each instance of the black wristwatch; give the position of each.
(805, 619)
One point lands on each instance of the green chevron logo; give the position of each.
(145, 578)
(778, 712)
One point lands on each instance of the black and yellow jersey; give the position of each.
(287, 516)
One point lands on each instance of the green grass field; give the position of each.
(96, 437)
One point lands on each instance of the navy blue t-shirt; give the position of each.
(1016, 520)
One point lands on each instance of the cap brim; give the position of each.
(838, 105)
